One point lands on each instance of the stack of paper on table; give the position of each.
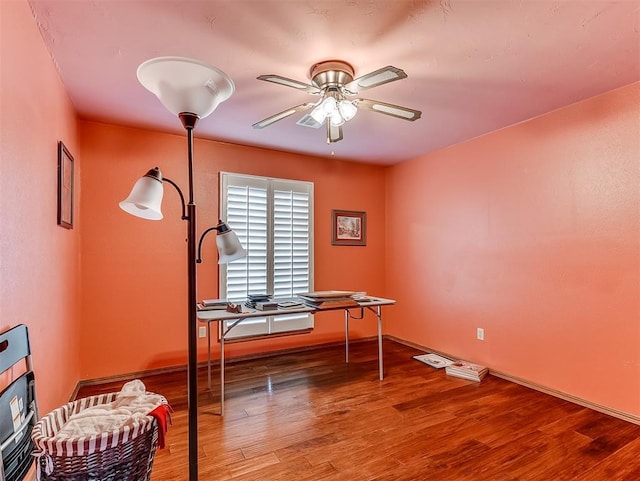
(328, 299)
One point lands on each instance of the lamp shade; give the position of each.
(229, 247)
(145, 198)
(319, 114)
(185, 85)
(347, 109)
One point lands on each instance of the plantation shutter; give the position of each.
(273, 221)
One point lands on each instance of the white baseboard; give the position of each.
(632, 418)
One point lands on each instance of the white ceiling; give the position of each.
(473, 66)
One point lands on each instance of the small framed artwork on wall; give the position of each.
(65, 187)
(348, 228)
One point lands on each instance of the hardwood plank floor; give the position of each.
(310, 417)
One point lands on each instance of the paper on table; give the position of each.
(327, 294)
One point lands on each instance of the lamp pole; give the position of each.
(191, 90)
(144, 201)
(189, 121)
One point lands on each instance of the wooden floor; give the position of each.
(311, 417)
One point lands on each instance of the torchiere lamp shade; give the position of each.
(185, 85)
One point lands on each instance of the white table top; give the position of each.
(222, 315)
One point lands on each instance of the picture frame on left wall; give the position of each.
(65, 187)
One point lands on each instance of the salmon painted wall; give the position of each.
(134, 271)
(39, 260)
(533, 234)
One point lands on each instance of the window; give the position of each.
(273, 219)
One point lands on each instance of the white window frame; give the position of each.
(268, 325)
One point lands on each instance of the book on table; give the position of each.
(467, 370)
(266, 305)
(213, 303)
(211, 307)
(253, 299)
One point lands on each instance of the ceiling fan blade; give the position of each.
(373, 79)
(287, 82)
(282, 115)
(334, 133)
(397, 111)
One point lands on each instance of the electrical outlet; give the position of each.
(480, 334)
(202, 332)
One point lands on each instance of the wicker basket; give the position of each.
(123, 455)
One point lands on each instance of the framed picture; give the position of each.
(348, 228)
(65, 187)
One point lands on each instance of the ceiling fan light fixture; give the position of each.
(347, 109)
(329, 105)
(337, 111)
(319, 114)
(336, 118)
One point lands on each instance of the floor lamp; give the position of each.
(191, 90)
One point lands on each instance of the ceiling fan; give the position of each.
(333, 81)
